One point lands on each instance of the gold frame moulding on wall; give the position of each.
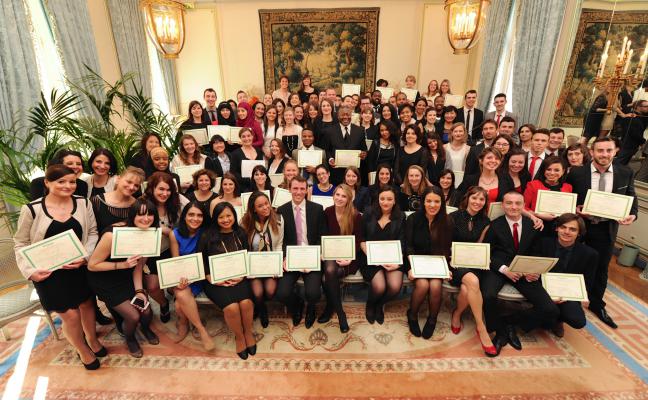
(576, 95)
(333, 45)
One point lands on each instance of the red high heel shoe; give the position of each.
(490, 351)
(455, 329)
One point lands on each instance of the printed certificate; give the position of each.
(309, 158)
(199, 134)
(281, 197)
(532, 265)
(384, 252)
(217, 184)
(495, 210)
(303, 258)
(459, 175)
(131, 241)
(248, 165)
(222, 130)
(568, 287)
(324, 201)
(429, 267)
(347, 158)
(54, 252)
(607, 205)
(230, 265)
(410, 93)
(171, 270)
(386, 92)
(185, 172)
(349, 89)
(470, 255)
(372, 177)
(556, 203)
(338, 247)
(265, 264)
(276, 179)
(234, 134)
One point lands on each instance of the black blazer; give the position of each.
(503, 185)
(501, 242)
(478, 120)
(206, 119)
(236, 160)
(333, 141)
(622, 183)
(434, 168)
(418, 240)
(583, 260)
(315, 224)
(472, 160)
(213, 164)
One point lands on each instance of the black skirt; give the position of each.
(459, 273)
(223, 296)
(113, 287)
(369, 271)
(64, 289)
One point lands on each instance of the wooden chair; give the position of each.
(18, 297)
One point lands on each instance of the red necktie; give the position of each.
(498, 119)
(516, 236)
(532, 166)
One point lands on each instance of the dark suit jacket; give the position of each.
(501, 242)
(472, 160)
(477, 118)
(207, 119)
(583, 259)
(213, 164)
(622, 183)
(315, 224)
(334, 141)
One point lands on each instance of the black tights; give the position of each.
(385, 285)
(332, 275)
(430, 288)
(129, 316)
(264, 289)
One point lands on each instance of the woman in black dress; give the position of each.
(103, 165)
(218, 160)
(470, 224)
(436, 157)
(383, 221)
(204, 181)
(385, 148)
(412, 153)
(260, 180)
(360, 194)
(384, 179)
(389, 113)
(112, 208)
(426, 233)
(64, 290)
(233, 296)
(244, 153)
(118, 282)
(414, 185)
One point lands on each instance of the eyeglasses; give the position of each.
(502, 145)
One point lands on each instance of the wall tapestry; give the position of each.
(334, 46)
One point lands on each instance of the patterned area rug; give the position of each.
(371, 361)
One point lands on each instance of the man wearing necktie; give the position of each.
(343, 136)
(210, 113)
(472, 117)
(500, 109)
(600, 174)
(539, 143)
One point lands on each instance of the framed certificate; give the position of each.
(234, 134)
(222, 130)
(130, 241)
(410, 93)
(347, 158)
(372, 177)
(384, 252)
(248, 165)
(495, 210)
(171, 270)
(309, 158)
(303, 258)
(470, 255)
(459, 175)
(230, 265)
(454, 100)
(556, 203)
(324, 201)
(532, 265)
(281, 197)
(568, 287)
(386, 92)
(349, 89)
(338, 247)
(429, 267)
(245, 197)
(450, 209)
(199, 134)
(185, 172)
(54, 252)
(276, 179)
(607, 205)
(265, 264)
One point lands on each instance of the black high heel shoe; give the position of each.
(344, 325)
(103, 352)
(380, 314)
(252, 350)
(428, 328)
(326, 316)
(263, 316)
(90, 366)
(412, 322)
(243, 354)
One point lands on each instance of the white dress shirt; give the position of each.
(536, 167)
(596, 177)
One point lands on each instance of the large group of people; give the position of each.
(426, 176)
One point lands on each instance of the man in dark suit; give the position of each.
(472, 117)
(555, 145)
(634, 136)
(304, 224)
(210, 112)
(573, 258)
(343, 136)
(510, 235)
(489, 133)
(601, 174)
